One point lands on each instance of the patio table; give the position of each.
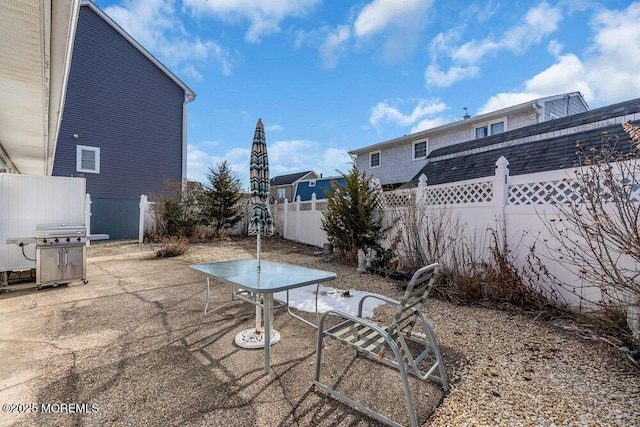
(257, 286)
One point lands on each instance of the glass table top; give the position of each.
(271, 277)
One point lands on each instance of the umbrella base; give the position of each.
(250, 338)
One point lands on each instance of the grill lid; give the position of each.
(60, 230)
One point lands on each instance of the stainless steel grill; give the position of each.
(60, 234)
(60, 252)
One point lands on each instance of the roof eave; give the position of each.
(474, 119)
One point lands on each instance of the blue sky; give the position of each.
(329, 76)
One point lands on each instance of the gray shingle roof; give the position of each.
(288, 179)
(538, 156)
(541, 155)
(580, 119)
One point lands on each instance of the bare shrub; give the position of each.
(173, 247)
(477, 265)
(176, 211)
(598, 233)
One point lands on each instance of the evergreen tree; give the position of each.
(221, 208)
(352, 220)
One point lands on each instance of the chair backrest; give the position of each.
(413, 300)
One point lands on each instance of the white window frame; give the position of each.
(488, 126)
(282, 193)
(371, 154)
(426, 149)
(312, 183)
(79, 150)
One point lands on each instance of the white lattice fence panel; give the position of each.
(478, 192)
(396, 199)
(550, 192)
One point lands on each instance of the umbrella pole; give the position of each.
(259, 242)
(258, 309)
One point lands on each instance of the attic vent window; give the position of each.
(312, 183)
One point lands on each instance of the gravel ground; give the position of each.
(505, 368)
(515, 370)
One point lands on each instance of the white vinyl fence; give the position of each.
(301, 221)
(518, 207)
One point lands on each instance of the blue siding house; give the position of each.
(124, 123)
(305, 189)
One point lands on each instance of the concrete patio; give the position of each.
(125, 349)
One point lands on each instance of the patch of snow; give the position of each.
(329, 299)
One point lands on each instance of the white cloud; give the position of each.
(333, 46)
(264, 16)
(284, 157)
(608, 74)
(274, 128)
(434, 77)
(567, 75)
(504, 100)
(473, 51)
(334, 161)
(539, 22)
(301, 155)
(155, 24)
(380, 14)
(400, 21)
(429, 124)
(444, 42)
(199, 160)
(614, 67)
(385, 112)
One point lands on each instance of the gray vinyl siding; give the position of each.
(396, 160)
(563, 107)
(121, 102)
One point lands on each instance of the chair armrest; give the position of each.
(378, 297)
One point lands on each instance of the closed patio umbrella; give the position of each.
(260, 224)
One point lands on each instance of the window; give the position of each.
(491, 128)
(87, 159)
(281, 193)
(312, 183)
(420, 150)
(374, 159)
(497, 128)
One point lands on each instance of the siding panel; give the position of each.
(121, 102)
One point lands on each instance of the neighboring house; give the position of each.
(541, 147)
(305, 189)
(124, 124)
(396, 161)
(284, 186)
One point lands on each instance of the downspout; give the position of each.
(188, 97)
(536, 109)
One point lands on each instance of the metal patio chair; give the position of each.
(398, 345)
